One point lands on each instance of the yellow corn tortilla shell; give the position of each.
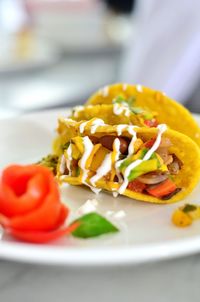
(105, 112)
(183, 147)
(168, 111)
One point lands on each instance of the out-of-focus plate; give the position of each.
(40, 52)
(146, 230)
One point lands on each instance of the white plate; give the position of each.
(146, 231)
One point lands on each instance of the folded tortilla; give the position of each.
(166, 110)
(76, 145)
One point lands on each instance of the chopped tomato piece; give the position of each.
(150, 143)
(136, 186)
(162, 189)
(151, 123)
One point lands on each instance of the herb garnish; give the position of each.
(93, 225)
(50, 161)
(189, 208)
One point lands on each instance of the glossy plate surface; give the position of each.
(146, 234)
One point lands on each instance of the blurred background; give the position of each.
(55, 53)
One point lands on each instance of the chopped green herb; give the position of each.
(189, 208)
(78, 171)
(93, 225)
(136, 110)
(50, 161)
(119, 99)
(131, 100)
(65, 146)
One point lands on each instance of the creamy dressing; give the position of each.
(115, 194)
(62, 165)
(105, 91)
(121, 108)
(120, 128)
(124, 87)
(103, 169)
(69, 120)
(106, 165)
(131, 144)
(128, 128)
(69, 158)
(82, 126)
(139, 88)
(77, 109)
(95, 124)
(88, 146)
(116, 147)
(89, 206)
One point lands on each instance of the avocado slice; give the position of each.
(143, 168)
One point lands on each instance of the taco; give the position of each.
(156, 165)
(138, 105)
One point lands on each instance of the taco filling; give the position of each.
(117, 162)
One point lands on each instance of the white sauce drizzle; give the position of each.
(121, 108)
(105, 91)
(77, 109)
(89, 206)
(69, 120)
(82, 126)
(120, 128)
(124, 87)
(161, 129)
(115, 194)
(131, 144)
(116, 147)
(139, 88)
(95, 124)
(88, 146)
(69, 158)
(62, 165)
(103, 169)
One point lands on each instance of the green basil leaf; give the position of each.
(93, 225)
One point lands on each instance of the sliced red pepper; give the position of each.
(162, 189)
(150, 143)
(43, 237)
(136, 186)
(151, 123)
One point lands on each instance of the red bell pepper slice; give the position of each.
(162, 189)
(150, 143)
